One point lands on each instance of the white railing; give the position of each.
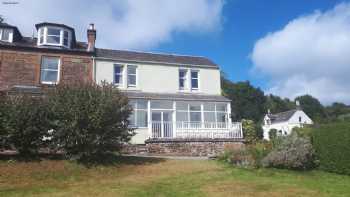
(196, 130)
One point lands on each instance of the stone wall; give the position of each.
(184, 147)
(23, 68)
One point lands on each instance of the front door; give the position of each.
(162, 126)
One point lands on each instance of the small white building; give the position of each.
(284, 122)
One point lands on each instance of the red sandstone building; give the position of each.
(28, 63)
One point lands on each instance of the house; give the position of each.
(284, 122)
(28, 63)
(176, 99)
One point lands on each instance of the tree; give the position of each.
(276, 104)
(1, 19)
(89, 120)
(247, 102)
(312, 107)
(336, 110)
(24, 123)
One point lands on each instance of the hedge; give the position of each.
(332, 146)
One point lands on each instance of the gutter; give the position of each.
(156, 63)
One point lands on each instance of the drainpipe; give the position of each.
(93, 69)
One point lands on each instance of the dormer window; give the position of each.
(54, 36)
(6, 35)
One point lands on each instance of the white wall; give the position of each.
(161, 78)
(142, 134)
(304, 118)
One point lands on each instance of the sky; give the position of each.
(287, 48)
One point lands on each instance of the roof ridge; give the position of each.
(285, 111)
(155, 53)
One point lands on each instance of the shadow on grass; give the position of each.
(31, 158)
(112, 159)
(109, 159)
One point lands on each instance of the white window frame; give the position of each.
(43, 32)
(215, 110)
(58, 71)
(10, 39)
(184, 78)
(188, 80)
(120, 84)
(128, 74)
(192, 88)
(136, 109)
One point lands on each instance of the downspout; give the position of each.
(93, 69)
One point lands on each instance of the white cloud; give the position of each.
(311, 54)
(136, 24)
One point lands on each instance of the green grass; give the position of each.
(157, 177)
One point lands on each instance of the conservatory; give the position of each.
(183, 117)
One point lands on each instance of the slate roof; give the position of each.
(31, 44)
(281, 117)
(144, 57)
(176, 96)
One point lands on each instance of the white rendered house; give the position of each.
(173, 96)
(284, 122)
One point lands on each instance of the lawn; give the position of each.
(157, 177)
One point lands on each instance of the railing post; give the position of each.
(149, 118)
(174, 119)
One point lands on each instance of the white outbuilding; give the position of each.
(284, 122)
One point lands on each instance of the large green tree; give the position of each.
(276, 104)
(90, 119)
(337, 110)
(312, 107)
(247, 101)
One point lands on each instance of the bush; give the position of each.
(332, 146)
(272, 134)
(251, 131)
(305, 131)
(259, 151)
(239, 157)
(293, 152)
(90, 119)
(249, 156)
(24, 123)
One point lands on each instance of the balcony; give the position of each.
(195, 130)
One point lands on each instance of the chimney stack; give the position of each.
(297, 103)
(91, 37)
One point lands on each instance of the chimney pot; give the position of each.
(91, 37)
(92, 26)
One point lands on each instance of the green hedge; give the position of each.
(332, 146)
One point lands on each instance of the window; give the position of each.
(56, 36)
(53, 36)
(139, 116)
(65, 38)
(41, 35)
(195, 112)
(182, 79)
(118, 74)
(49, 73)
(5, 34)
(300, 119)
(194, 80)
(131, 76)
(161, 104)
(211, 115)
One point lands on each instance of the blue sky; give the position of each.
(286, 47)
(244, 22)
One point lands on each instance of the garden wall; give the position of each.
(184, 147)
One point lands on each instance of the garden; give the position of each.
(322, 147)
(68, 142)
